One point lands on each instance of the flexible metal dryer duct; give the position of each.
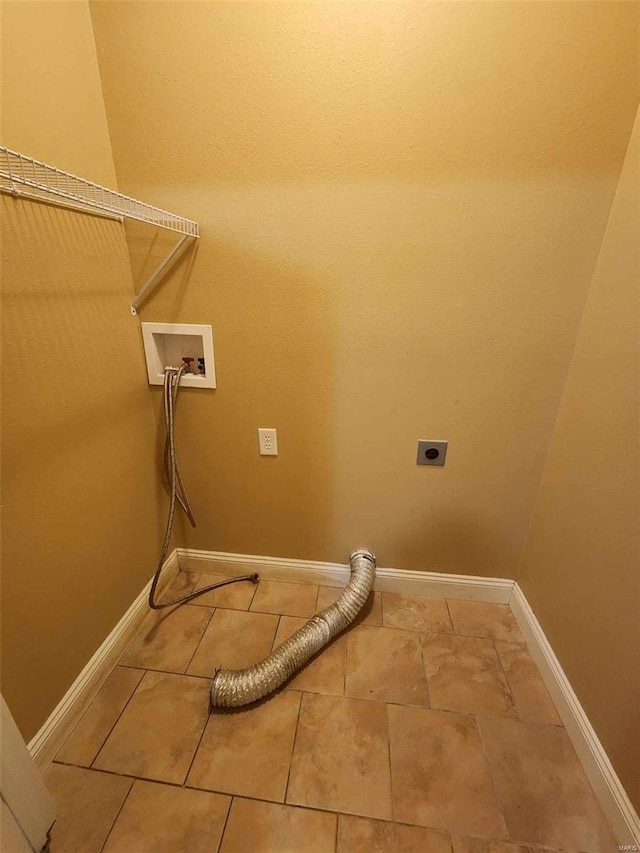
(234, 687)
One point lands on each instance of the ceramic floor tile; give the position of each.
(415, 613)
(158, 732)
(168, 639)
(439, 772)
(371, 613)
(286, 599)
(484, 619)
(361, 835)
(532, 698)
(385, 664)
(235, 596)
(323, 674)
(234, 639)
(84, 742)
(255, 827)
(88, 803)
(541, 786)
(465, 674)
(483, 845)
(165, 819)
(246, 751)
(341, 756)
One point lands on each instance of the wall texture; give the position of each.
(401, 208)
(80, 523)
(580, 565)
(51, 96)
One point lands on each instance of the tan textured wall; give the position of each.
(52, 107)
(582, 558)
(80, 505)
(401, 208)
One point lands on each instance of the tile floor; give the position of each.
(425, 728)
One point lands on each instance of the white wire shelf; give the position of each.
(25, 176)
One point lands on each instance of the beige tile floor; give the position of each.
(425, 729)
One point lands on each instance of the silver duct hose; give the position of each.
(234, 687)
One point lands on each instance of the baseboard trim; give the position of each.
(46, 743)
(611, 795)
(337, 574)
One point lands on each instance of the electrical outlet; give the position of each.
(268, 441)
(431, 452)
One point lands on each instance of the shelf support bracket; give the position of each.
(158, 273)
(47, 184)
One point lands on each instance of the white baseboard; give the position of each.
(612, 797)
(337, 574)
(46, 743)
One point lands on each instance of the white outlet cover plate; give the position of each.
(268, 442)
(166, 343)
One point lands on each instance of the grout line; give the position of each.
(424, 668)
(518, 646)
(226, 820)
(275, 631)
(507, 680)
(378, 701)
(337, 835)
(346, 661)
(168, 672)
(203, 632)
(209, 606)
(293, 746)
(446, 603)
(115, 820)
(255, 589)
(305, 807)
(254, 799)
(278, 613)
(389, 757)
(493, 782)
(306, 616)
(510, 719)
(89, 706)
(119, 774)
(124, 707)
(195, 751)
(382, 609)
(273, 642)
(124, 775)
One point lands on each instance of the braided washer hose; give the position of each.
(177, 492)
